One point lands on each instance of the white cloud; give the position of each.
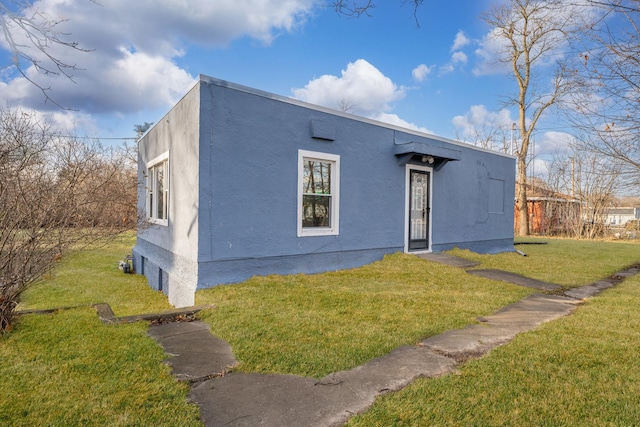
(553, 142)
(490, 129)
(446, 69)
(460, 41)
(361, 89)
(488, 55)
(129, 82)
(459, 58)
(135, 47)
(478, 117)
(421, 72)
(397, 121)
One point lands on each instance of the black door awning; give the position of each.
(425, 153)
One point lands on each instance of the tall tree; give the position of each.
(532, 33)
(607, 108)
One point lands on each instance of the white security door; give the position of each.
(419, 210)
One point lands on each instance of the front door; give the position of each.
(419, 210)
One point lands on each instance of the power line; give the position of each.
(122, 138)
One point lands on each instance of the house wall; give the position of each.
(473, 203)
(620, 216)
(249, 172)
(168, 254)
(248, 210)
(233, 159)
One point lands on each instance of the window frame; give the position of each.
(334, 213)
(151, 190)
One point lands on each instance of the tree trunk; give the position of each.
(521, 197)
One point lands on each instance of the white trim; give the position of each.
(164, 157)
(334, 230)
(407, 195)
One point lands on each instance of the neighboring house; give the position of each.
(619, 216)
(550, 213)
(240, 182)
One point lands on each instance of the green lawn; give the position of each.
(581, 370)
(68, 368)
(91, 277)
(566, 262)
(313, 325)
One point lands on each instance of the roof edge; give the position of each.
(258, 92)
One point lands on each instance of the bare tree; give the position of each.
(610, 65)
(357, 8)
(348, 105)
(486, 135)
(590, 178)
(598, 177)
(32, 37)
(532, 32)
(56, 192)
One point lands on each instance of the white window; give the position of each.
(318, 193)
(157, 186)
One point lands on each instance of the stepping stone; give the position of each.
(505, 276)
(239, 399)
(196, 354)
(501, 327)
(450, 260)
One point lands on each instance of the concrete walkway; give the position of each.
(229, 398)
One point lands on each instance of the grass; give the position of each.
(92, 276)
(312, 325)
(304, 325)
(565, 262)
(68, 368)
(579, 370)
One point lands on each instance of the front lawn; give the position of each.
(566, 262)
(68, 368)
(318, 324)
(313, 325)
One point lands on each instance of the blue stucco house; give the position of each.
(238, 182)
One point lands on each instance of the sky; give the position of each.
(434, 72)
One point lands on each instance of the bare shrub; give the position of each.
(56, 192)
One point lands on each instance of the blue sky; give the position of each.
(437, 77)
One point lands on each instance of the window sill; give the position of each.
(164, 223)
(306, 232)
